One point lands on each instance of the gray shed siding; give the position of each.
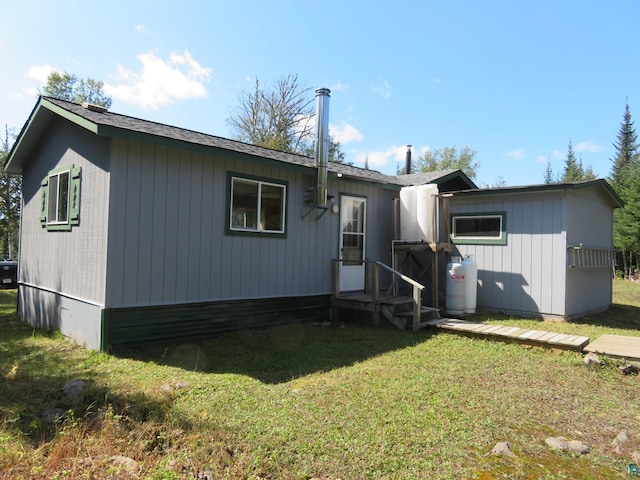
(590, 222)
(58, 269)
(167, 241)
(527, 275)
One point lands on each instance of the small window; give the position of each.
(61, 199)
(483, 228)
(256, 206)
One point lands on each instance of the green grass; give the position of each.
(298, 401)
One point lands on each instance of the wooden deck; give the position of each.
(618, 346)
(521, 335)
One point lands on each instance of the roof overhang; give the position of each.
(602, 185)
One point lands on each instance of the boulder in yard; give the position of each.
(565, 445)
(592, 360)
(503, 449)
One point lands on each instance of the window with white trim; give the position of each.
(256, 206)
(479, 228)
(60, 208)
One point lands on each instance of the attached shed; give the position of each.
(541, 251)
(134, 231)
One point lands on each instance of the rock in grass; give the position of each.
(592, 360)
(53, 415)
(503, 449)
(619, 441)
(565, 445)
(628, 369)
(72, 390)
(126, 463)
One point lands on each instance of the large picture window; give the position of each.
(256, 206)
(479, 228)
(61, 199)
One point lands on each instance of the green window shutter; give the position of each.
(74, 196)
(44, 205)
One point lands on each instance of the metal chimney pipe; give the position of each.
(408, 161)
(322, 144)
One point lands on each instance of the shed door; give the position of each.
(352, 242)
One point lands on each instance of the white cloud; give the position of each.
(41, 72)
(383, 90)
(338, 87)
(345, 133)
(383, 157)
(587, 147)
(140, 28)
(558, 155)
(517, 154)
(160, 82)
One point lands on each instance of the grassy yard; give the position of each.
(304, 401)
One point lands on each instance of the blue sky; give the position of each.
(514, 81)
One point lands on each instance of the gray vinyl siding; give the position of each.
(167, 241)
(72, 261)
(527, 275)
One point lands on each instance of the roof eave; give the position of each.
(37, 120)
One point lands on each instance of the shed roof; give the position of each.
(614, 200)
(103, 122)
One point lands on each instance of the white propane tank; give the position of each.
(455, 287)
(470, 284)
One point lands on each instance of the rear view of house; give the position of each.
(133, 230)
(136, 231)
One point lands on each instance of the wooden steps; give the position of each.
(398, 310)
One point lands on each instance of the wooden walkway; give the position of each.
(521, 335)
(616, 346)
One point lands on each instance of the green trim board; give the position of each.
(133, 325)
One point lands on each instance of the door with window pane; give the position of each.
(352, 242)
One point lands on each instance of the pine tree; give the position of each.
(626, 147)
(573, 171)
(625, 179)
(548, 174)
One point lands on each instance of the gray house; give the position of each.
(541, 251)
(133, 230)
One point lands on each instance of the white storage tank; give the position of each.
(426, 211)
(455, 298)
(470, 284)
(408, 214)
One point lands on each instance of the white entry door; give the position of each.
(352, 242)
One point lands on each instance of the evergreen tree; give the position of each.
(10, 192)
(548, 174)
(626, 147)
(573, 171)
(625, 180)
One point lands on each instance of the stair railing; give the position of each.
(417, 291)
(372, 285)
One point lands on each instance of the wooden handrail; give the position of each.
(409, 280)
(417, 287)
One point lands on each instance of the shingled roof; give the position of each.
(103, 122)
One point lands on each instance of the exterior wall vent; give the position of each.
(93, 107)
